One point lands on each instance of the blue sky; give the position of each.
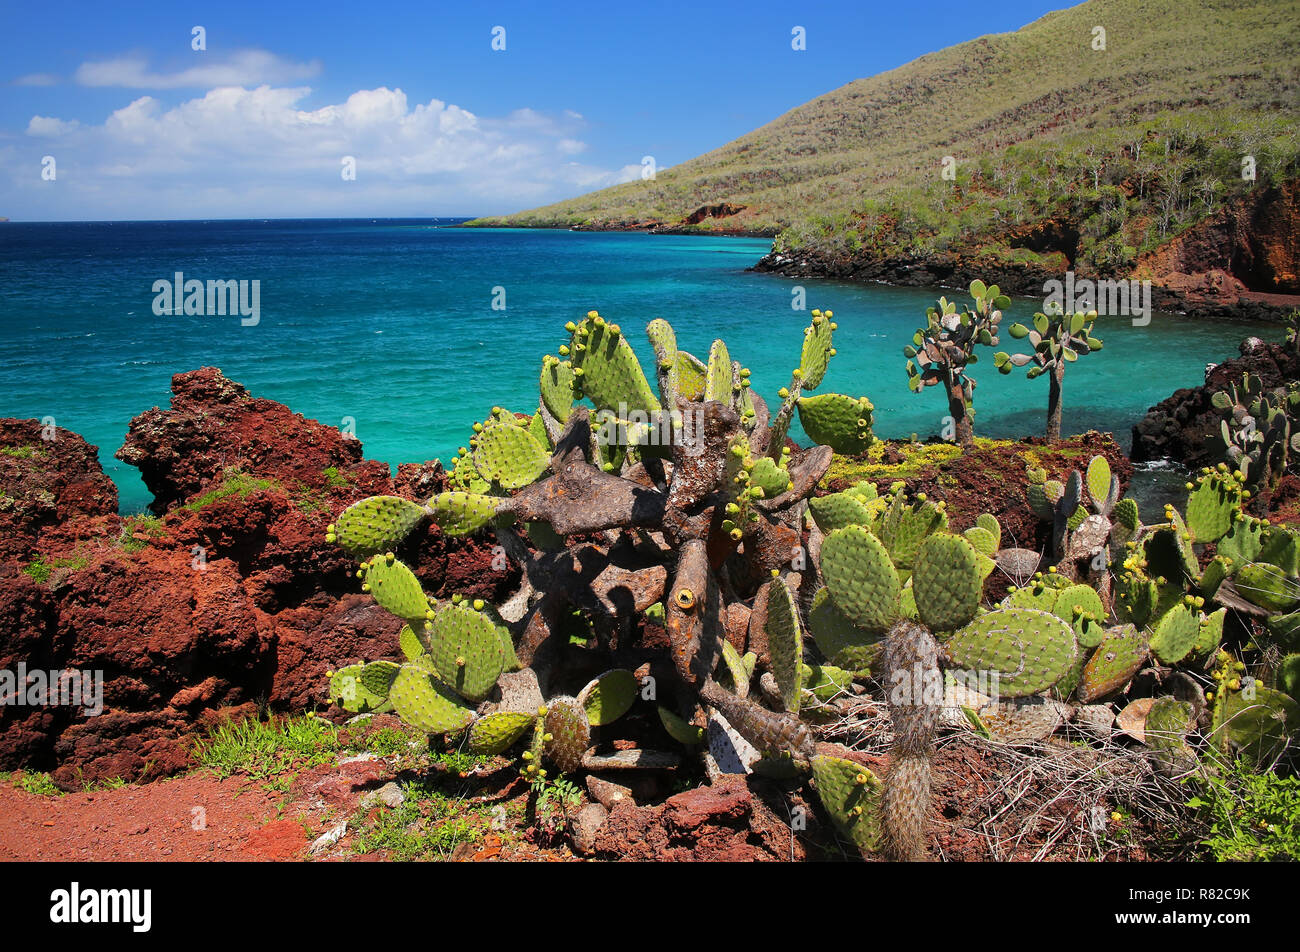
(140, 125)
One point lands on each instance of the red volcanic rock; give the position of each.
(48, 475)
(233, 600)
(215, 424)
(725, 822)
(1185, 425)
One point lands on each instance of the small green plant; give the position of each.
(267, 749)
(385, 742)
(1252, 816)
(334, 479)
(426, 826)
(19, 452)
(235, 482)
(40, 784)
(41, 571)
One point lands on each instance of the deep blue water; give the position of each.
(391, 323)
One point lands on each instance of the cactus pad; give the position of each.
(861, 578)
(509, 456)
(851, 795)
(1267, 586)
(498, 732)
(461, 513)
(607, 369)
(832, 630)
(840, 422)
(1113, 663)
(785, 643)
(1029, 650)
(349, 693)
(395, 588)
(717, 382)
(466, 650)
(1211, 508)
(557, 388)
(424, 703)
(946, 582)
(608, 697)
(837, 510)
(1176, 634)
(376, 524)
(1080, 607)
(566, 723)
(816, 354)
(679, 729)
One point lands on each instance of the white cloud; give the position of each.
(238, 151)
(244, 68)
(46, 126)
(37, 79)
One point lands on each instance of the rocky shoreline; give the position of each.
(229, 602)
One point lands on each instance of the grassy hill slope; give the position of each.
(1126, 146)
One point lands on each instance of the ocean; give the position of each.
(411, 330)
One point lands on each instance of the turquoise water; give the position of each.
(391, 323)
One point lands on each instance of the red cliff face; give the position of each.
(232, 599)
(1250, 250)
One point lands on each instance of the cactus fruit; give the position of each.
(1113, 663)
(376, 524)
(425, 704)
(1029, 650)
(785, 643)
(498, 732)
(851, 795)
(840, 422)
(608, 697)
(570, 732)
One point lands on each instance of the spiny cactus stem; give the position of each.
(911, 657)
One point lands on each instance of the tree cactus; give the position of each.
(941, 351)
(1058, 339)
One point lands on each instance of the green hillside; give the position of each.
(1130, 144)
